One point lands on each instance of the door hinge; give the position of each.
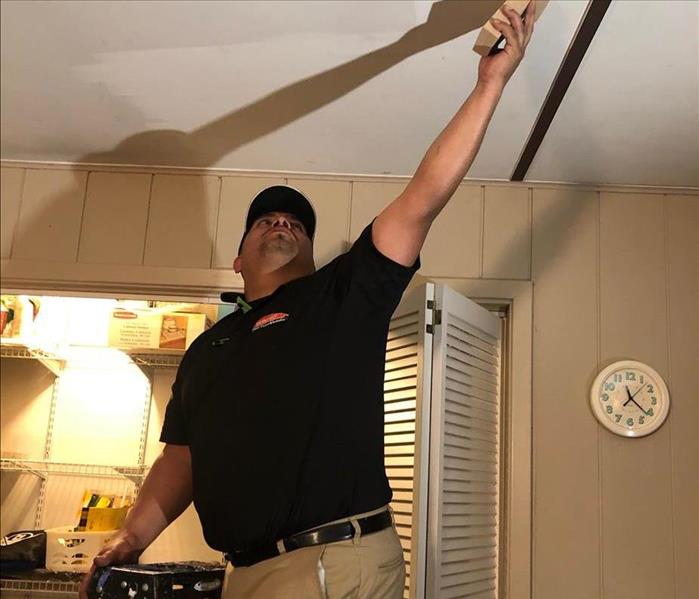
(436, 318)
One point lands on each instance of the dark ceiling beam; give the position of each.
(583, 37)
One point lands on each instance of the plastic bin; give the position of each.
(71, 551)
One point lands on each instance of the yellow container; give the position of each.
(106, 518)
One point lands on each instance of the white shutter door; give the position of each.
(406, 428)
(463, 486)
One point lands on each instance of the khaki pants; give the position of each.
(366, 567)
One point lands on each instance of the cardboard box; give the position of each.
(129, 329)
(489, 36)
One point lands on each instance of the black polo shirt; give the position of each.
(282, 406)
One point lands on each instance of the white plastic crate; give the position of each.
(70, 551)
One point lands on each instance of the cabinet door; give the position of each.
(462, 543)
(406, 429)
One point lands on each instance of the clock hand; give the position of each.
(637, 390)
(639, 407)
(632, 399)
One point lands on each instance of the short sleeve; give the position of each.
(174, 430)
(369, 276)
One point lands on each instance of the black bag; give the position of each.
(22, 550)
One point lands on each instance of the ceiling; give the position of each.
(350, 87)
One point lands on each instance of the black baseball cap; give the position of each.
(281, 198)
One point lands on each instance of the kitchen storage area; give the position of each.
(84, 386)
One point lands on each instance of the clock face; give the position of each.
(630, 398)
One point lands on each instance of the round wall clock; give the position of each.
(630, 398)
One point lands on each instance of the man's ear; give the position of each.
(238, 264)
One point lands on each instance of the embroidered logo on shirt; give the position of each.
(270, 319)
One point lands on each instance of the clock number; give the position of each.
(630, 376)
(629, 421)
(618, 417)
(641, 420)
(650, 388)
(609, 386)
(617, 378)
(605, 396)
(654, 400)
(642, 380)
(649, 411)
(609, 409)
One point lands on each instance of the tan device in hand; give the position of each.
(489, 37)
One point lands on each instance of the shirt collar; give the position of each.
(233, 297)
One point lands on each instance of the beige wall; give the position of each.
(615, 273)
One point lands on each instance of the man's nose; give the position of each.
(280, 220)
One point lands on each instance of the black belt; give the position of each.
(330, 533)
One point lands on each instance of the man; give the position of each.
(275, 426)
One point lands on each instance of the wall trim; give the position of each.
(69, 278)
(183, 170)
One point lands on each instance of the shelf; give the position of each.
(43, 581)
(12, 348)
(142, 357)
(39, 586)
(42, 468)
(155, 358)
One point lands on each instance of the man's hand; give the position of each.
(120, 550)
(498, 68)
(165, 494)
(400, 230)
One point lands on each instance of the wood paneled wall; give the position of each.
(195, 221)
(615, 273)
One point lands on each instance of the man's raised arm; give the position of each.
(400, 230)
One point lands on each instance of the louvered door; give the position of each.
(406, 428)
(464, 448)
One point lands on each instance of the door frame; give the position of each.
(515, 296)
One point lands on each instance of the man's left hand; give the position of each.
(499, 67)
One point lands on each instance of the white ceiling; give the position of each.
(322, 87)
(631, 115)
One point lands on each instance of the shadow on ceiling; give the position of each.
(206, 145)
